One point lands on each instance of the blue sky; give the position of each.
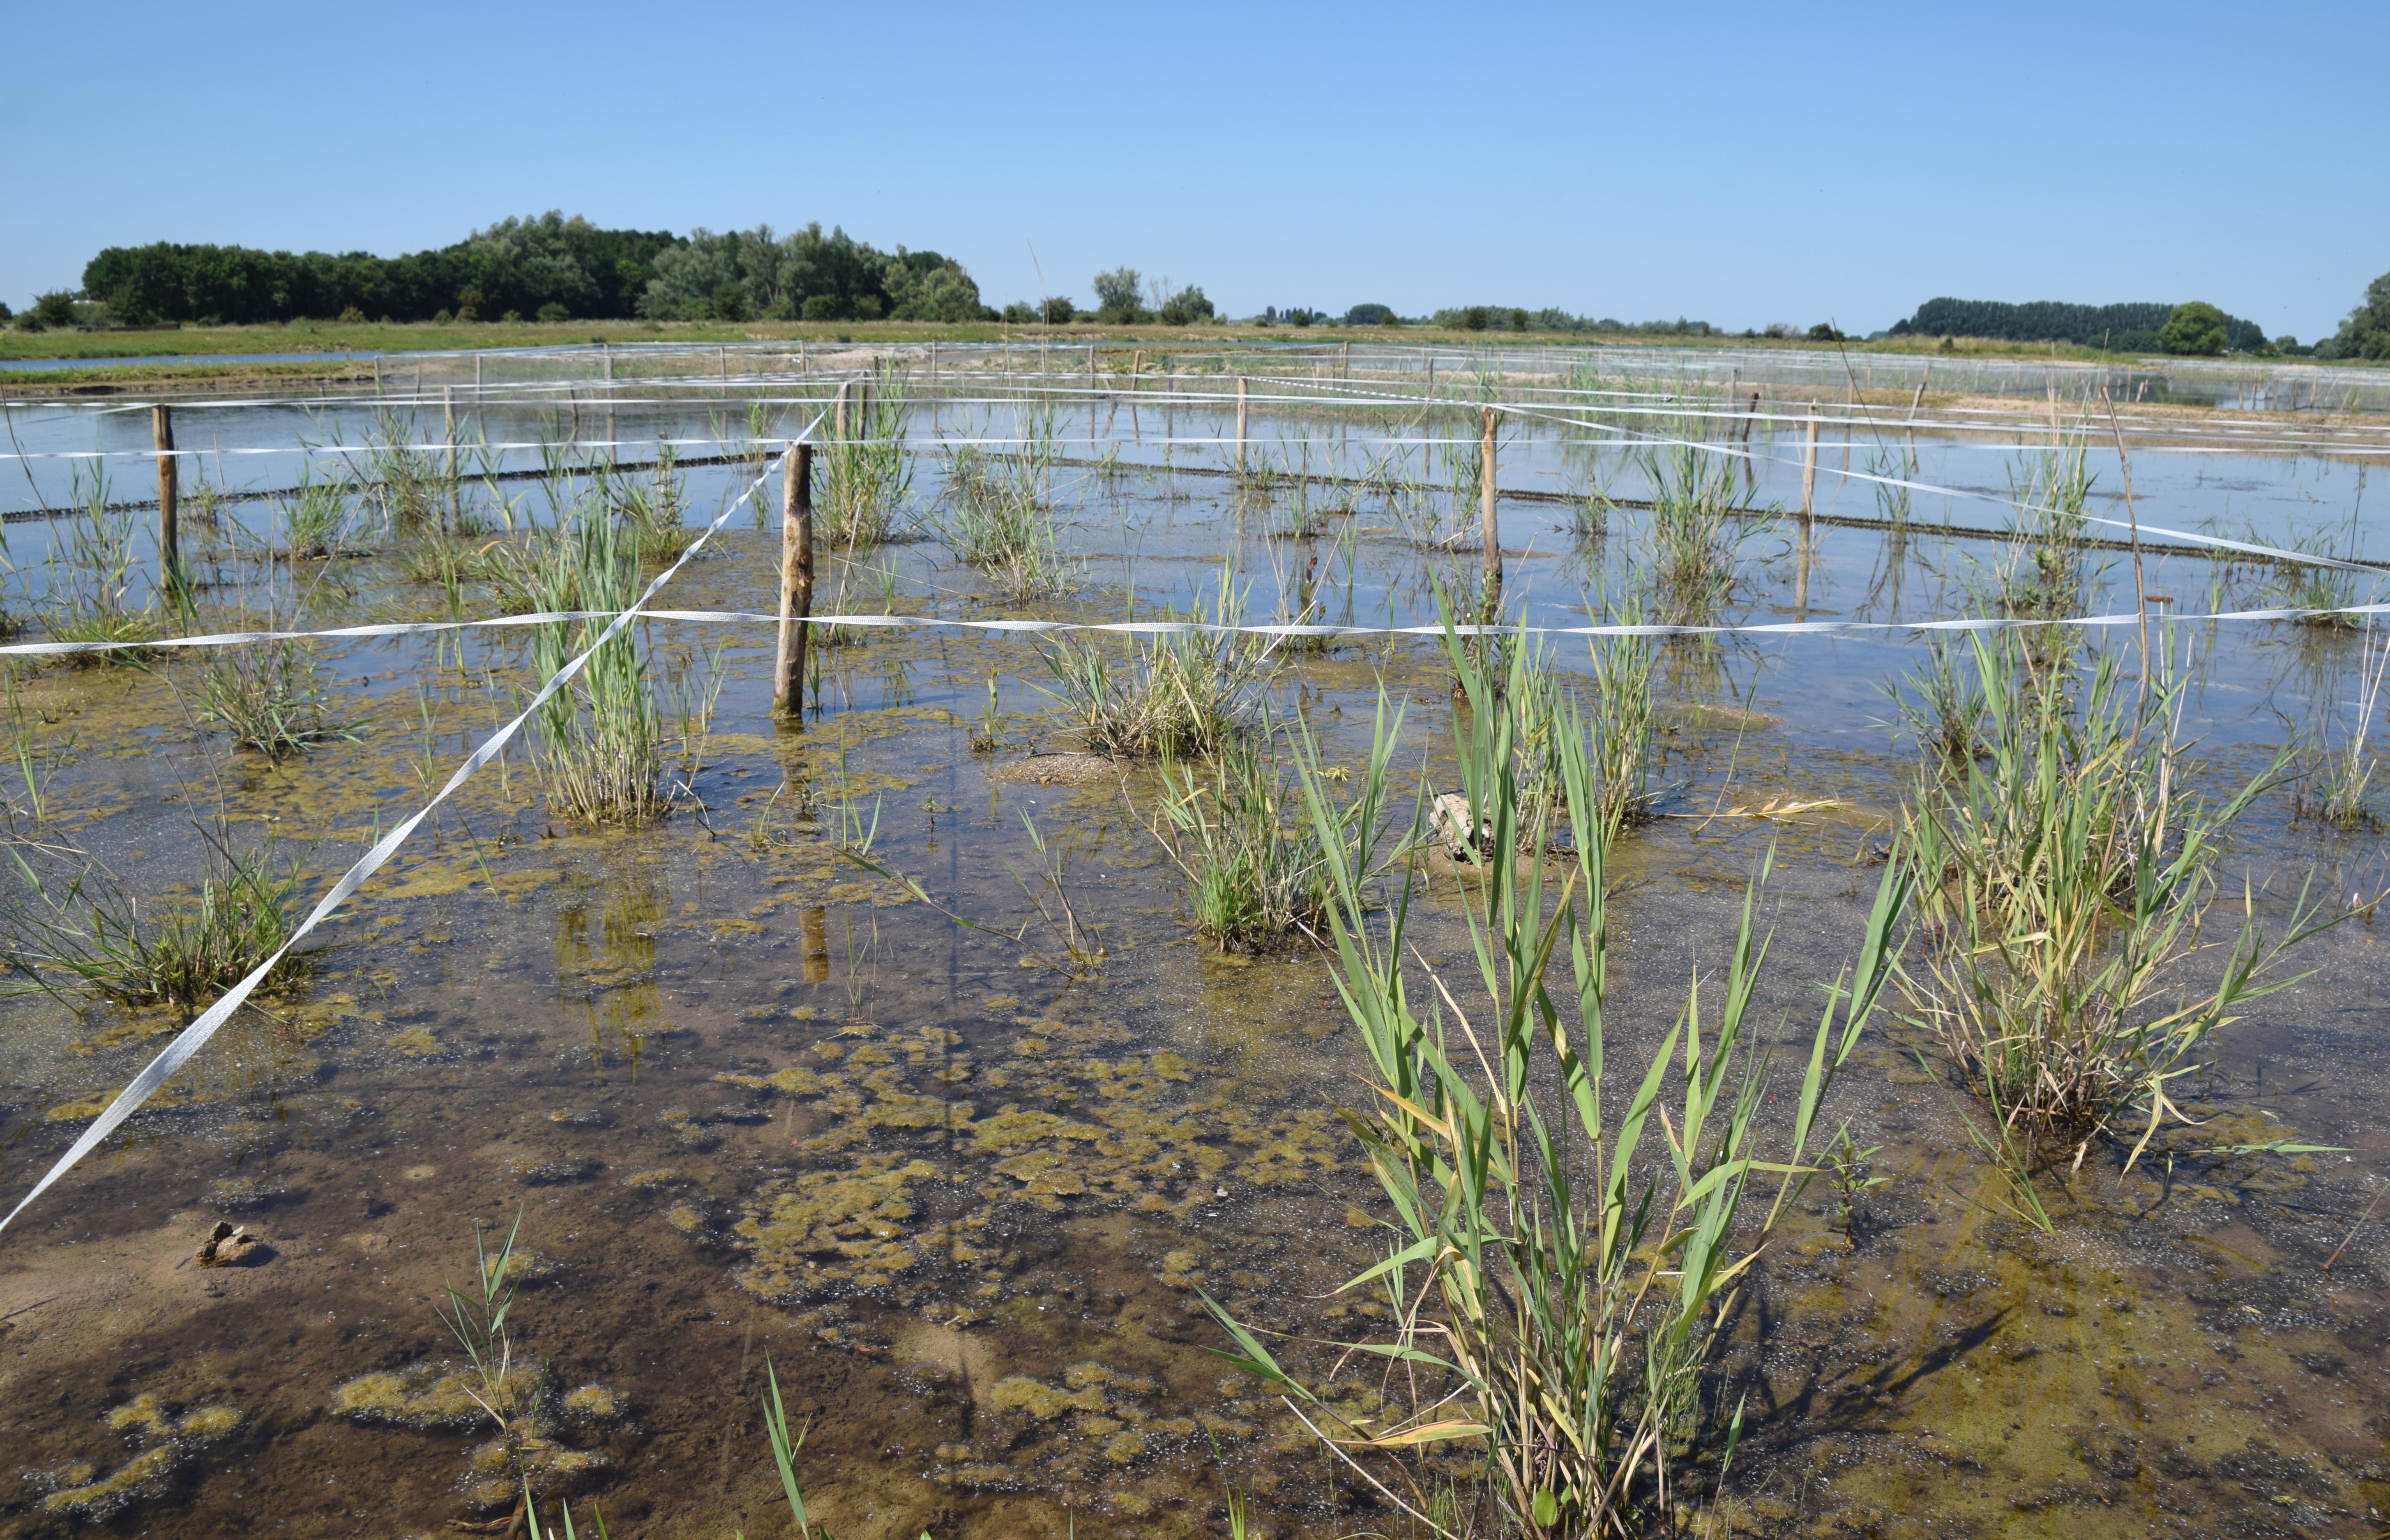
(1740, 164)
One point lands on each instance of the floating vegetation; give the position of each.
(172, 1440)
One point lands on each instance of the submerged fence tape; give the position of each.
(195, 1037)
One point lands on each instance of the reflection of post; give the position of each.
(816, 922)
(169, 551)
(796, 581)
(1241, 424)
(448, 426)
(1917, 404)
(1091, 398)
(1485, 516)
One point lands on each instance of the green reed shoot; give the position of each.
(1691, 533)
(1941, 705)
(868, 474)
(1557, 1285)
(784, 1450)
(315, 520)
(2076, 875)
(2335, 783)
(91, 580)
(478, 1320)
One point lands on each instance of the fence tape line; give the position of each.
(195, 1037)
(1175, 628)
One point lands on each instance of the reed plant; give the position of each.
(993, 515)
(866, 475)
(1691, 533)
(1255, 877)
(1941, 705)
(2044, 576)
(91, 578)
(601, 757)
(1560, 1270)
(2073, 878)
(268, 696)
(2322, 592)
(72, 925)
(411, 484)
(654, 508)
(1184, 693)
(316, 519)
(2335, 782)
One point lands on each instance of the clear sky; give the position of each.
(1740, 164)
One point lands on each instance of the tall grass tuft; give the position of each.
(1560, 1270)
(1691, 534)
(316, 519)
(2335, 783)
(72, 925)
(601, 757)
(995, 514)
(1186, 692)
(2075, 875)
(2044, 576)
(868, 474)
(91, 581)
(1253, 883)
(1941, 705)
(653, 507)
(267, 697)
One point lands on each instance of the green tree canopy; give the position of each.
(1117, 296)
(2366, 333)
(2196, 329)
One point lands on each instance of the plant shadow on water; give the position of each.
(753, 1109)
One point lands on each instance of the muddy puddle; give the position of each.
(753, 1107)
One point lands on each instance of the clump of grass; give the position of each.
(2320, 590)
(1184, 693)
(1941, 706)
(868, 474)
(2335, 784)
(75, 926)
(1562, 1269)
(1691, 535)
(2077, 874)
(268, 697)
(91, 581)
(2044, 576)
(601, 757)
(317, 520)
(410, 483)
(654, 509)
(995, 518)
(1253, 883)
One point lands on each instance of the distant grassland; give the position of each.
(299, 337)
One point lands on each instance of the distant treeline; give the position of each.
(2126, 327)
(549, 268)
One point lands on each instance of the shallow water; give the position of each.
(751, 1108)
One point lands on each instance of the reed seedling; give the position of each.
(315, 520)
(601, 757)
(74, 926)
(991, 518)
(411, 484)
(2322, 592)
(1255, 877)
(867, 475)
(2335, 783)
(91, 581)
(1184, 693)
(267, 697)
(1941, 705)
(653, 508)
(2044, 577)
(1691, 533)
(1560, 1270)
(2074, 877)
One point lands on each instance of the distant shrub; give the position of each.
(1474, 319)
(352, 315)
(553, 312)
(820, 307)
(1824, 331)
(1020, 313)
(1518, 320)
(1369, 316)
(1185, 307)
(1058, 311)
(440, 318)
(54, 309)
(2195, 329)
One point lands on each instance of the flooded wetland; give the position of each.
(959, 1059)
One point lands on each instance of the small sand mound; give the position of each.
(1055, 770)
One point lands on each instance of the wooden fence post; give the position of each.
(448, 426)
(796, 580)
(838, 427)
(1809, 467)
(1486, 516)
(169, 551)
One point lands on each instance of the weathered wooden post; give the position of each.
(169, 553)
(607, 355)
(448, 428)
(838, 424)
(796, 581)
(1485, 516)
(1810, 470)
